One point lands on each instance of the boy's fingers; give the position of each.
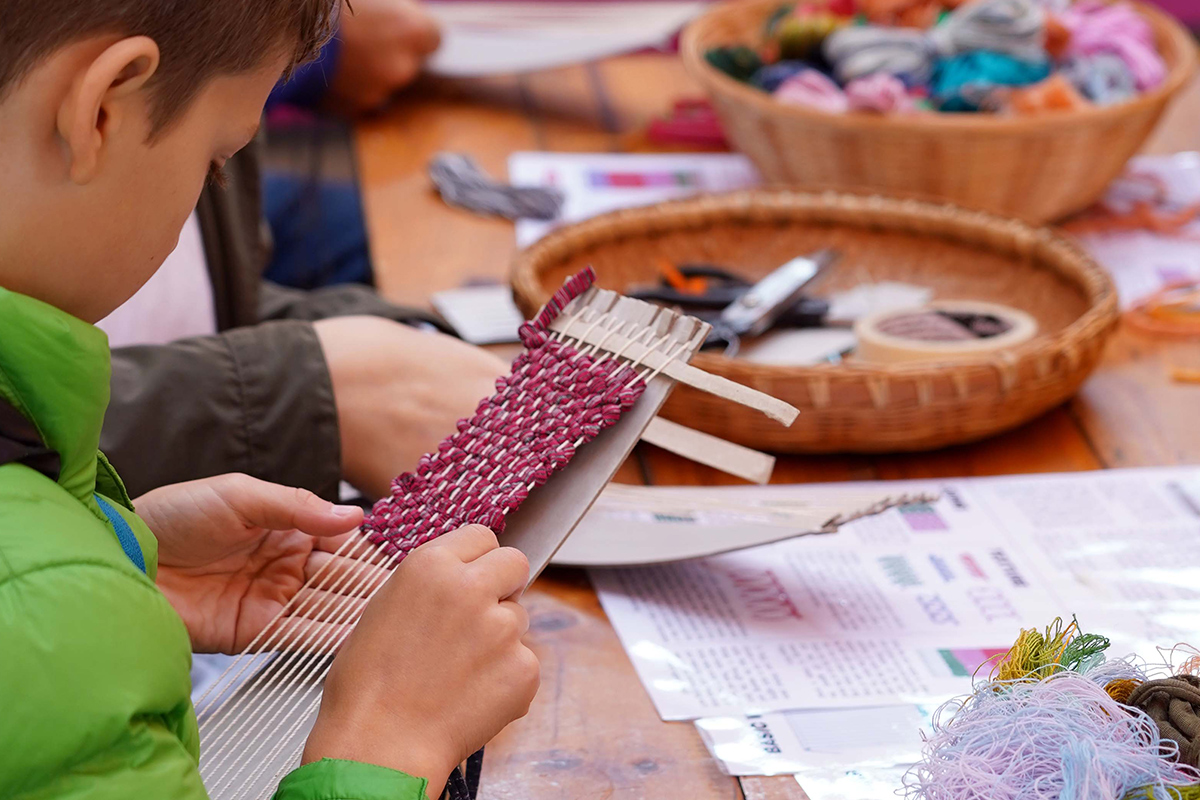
(296, 634)
(347, 576)
(468, 543)
(331, 544)
(504, 570)
(269, 505)
(328, 606)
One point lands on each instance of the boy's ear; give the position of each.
(99, 103)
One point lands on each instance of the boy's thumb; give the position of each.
(275, 507)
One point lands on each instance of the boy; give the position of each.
(111, 114)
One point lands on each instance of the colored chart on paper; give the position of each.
(965, 662)
(923, 517)
(609, 179)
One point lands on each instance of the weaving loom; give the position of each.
(595, 365)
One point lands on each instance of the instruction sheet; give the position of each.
(903, 608)
(595, 183)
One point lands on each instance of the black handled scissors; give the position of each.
(735, 307)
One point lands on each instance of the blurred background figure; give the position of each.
(310, 196)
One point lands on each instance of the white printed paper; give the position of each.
(498, 38)
(790, 742)
(594, 183)
(905, 607)
(480, 314)
(1143, 262)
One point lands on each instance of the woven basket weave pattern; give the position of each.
(856, 407)
(1036, 168)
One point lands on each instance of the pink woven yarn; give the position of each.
(554, 400)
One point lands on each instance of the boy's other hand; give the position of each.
(399, 391)
(384, 44)
(233, 550)
(436, 666)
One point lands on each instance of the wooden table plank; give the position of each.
(419, 245)
(1132, 412)
(567, 110)
(592, 731)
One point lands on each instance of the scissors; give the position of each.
(737, 308)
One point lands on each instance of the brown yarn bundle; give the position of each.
(1174, 705)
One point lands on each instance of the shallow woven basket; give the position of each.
(852, 407)
(1035, 168)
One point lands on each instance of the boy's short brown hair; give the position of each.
(198, 39)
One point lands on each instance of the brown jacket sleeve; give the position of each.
(256, 400)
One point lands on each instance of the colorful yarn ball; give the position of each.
(1057, 37)
(881, 93)
(1174, 793)
(1103, 78)
(919, 14)
(1120, 30)
(860, 50)
(738, 62)
(963, 83)
(813, 89)
(1059, 647)
(799, 34)
(1013, 27)
(1056, 93)
(772, 76)
(1174, 705)
(1059, 737)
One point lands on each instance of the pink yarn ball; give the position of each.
(813, 89)
(1118, 29)
(880, 92)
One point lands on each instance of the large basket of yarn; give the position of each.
(853, 406)
(1038, 168)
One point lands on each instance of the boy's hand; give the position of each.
(384, 44)
(436, 666)
(399, 391)
(232, 550)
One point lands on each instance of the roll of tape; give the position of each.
(893, 337)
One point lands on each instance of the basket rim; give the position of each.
(1101, 315)
(715, 81)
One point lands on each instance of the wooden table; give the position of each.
(592, 732)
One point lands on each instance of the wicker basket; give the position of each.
(1035, 168)
(852, 407)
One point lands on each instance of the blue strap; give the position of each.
(129, 542)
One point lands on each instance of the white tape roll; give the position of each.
(885, 348)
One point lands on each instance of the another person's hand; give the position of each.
(233, 550)
(384, 43)
(435, 667)
(399, 391)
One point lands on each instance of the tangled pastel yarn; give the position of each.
(1057, 737)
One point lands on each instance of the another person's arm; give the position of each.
(291, 402)
(378, 50)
